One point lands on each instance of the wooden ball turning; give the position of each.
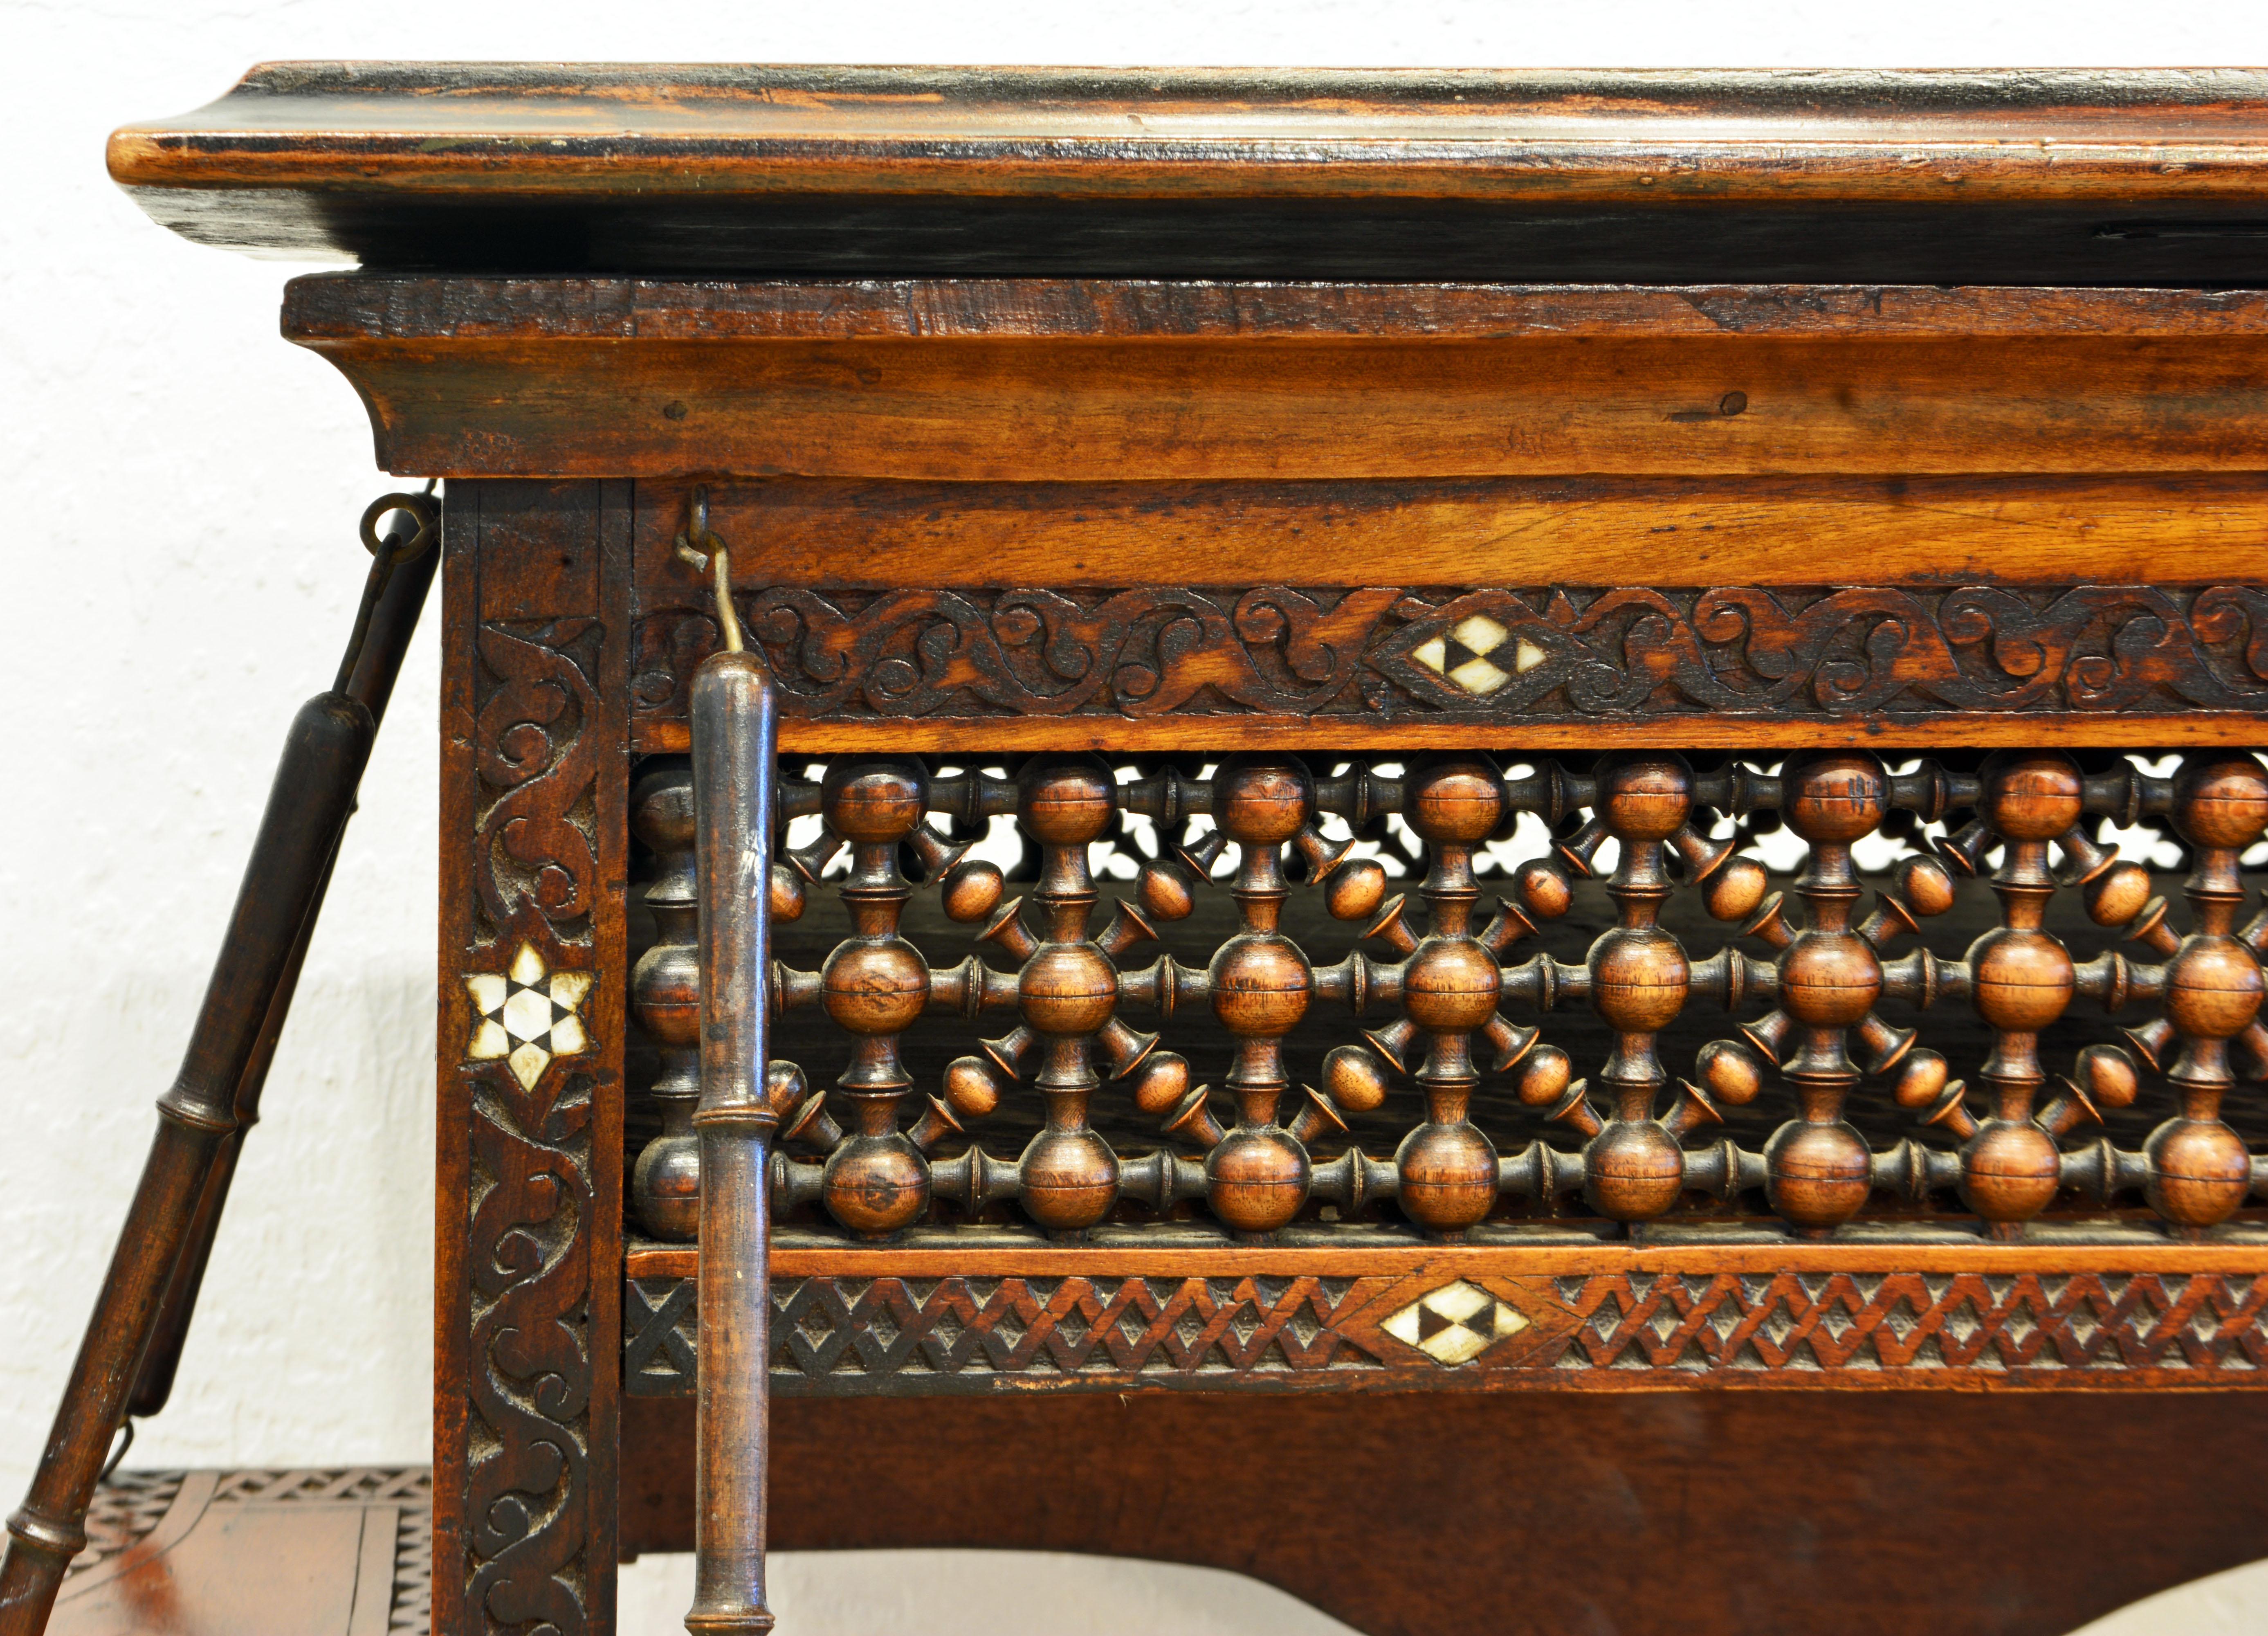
(2220, 800)
(1069, 1179)
(1632, 1170)
(1161, 1082)
(1921, 1081)
(875, 1185)
(1354, 1079)
(1543, 891)
(784, 1087)
(1067, 988)
(2118, 894)
(1829, 980)
(665, 1186)
(2212, 988)
(1731, 1071)
(1256, 1179)
(1545, 1074)
(2035, 797)
(971, 889)
(2020, 980)
(1450, 985)
(1355, 889)
(1259, 983)
(1924, 885)
(872, 799)
(1262, 800)
(874, 986)
(786, 894)
(1734, 892)
(1460, 801)
(1066, 800)
(1644, 797)
(2009, 1171)
(666, 993)
(972, 1087)
(1165, 892)
(1447, 1175)
(2107, 1074)
(1639, 979)
(2200, 1173)
(1817, 1175)
(1837, 798)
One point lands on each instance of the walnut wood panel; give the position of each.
(830, 535)
(529, 1196)
(1673, 1513)
(1382, 407)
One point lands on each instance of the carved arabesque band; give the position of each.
(1395, 654)
(533, 1201)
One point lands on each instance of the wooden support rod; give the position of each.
(734, 734)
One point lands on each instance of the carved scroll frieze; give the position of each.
(1483, 654)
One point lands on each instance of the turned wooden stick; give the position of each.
(734, 734)
(314, 790)
(377, 665)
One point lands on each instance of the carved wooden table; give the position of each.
(1684, 650)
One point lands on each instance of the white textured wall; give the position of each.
(178, 492)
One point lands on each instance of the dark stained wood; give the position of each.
(1176, 419)
(1897, 1317)
(1649, 1514)
(426, 306)
(1197, 668)
(825, 534)
(1331, 406)
(534, 786)
(735, 732)
(394, 613)
(2132, 178)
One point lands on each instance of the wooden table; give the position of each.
(1567, 489)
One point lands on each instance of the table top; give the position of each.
(2104, 178)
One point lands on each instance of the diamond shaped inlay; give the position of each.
(1478, 654)
(1454, 1323)
(528, 1016)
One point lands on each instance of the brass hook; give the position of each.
(420, 506)
(705, 550)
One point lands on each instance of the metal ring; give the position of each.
(419, 506)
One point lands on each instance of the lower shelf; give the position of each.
(340, 1552)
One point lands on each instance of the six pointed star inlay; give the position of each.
(527, 1015)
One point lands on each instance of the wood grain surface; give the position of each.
(1657, 1515)
(2129, 178)
(1147, 133)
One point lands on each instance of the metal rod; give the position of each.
(734, 734)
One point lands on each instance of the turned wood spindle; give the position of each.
(2200, 1170)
